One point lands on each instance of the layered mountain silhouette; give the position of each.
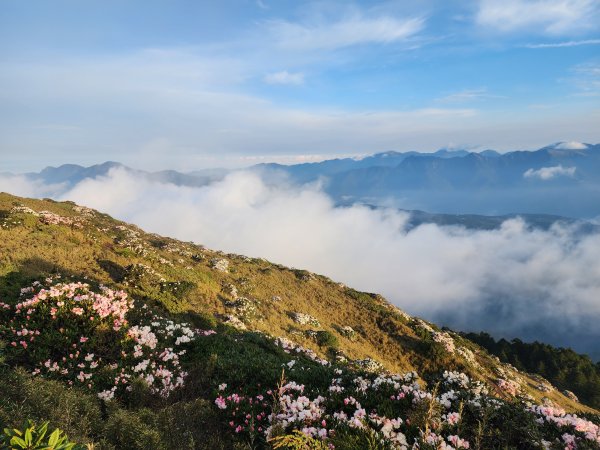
(561, 179)
(71, 174)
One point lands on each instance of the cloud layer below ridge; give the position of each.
(514, 281)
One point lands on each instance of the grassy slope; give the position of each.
(107, 251)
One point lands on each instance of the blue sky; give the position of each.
(188, 84)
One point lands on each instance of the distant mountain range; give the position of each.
(308, 172)
(482, 222)
(71, 174)
(561, 179)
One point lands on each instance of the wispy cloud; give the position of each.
(571, 145)
(564, 44)
(467, 95)
(56, 127)
(548, 173)
(285, 77)
(347, 32)
(195, 106)
(586, 78)
(548, 16)
(543, 105)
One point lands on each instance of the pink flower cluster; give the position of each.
(438, 442)
(508, 386)
(583, 429)
(59, 330)
(298, 411)
(50, 218)
(77, 299)
(445, 339)
(320, 416)
(247, 414)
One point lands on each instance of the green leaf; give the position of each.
(54, 437)
(18, 441)
(43, 429)
(28, 437)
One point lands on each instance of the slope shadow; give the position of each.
(28, 271)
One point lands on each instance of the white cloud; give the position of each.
(191, 104)
(565, 44)
(22, 186)
(548, 16)
(512, 281)
(571, 145)
(285, 77)
(347, 32)
(547, 173)
(468, 95)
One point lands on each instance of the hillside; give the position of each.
(562, 366)
(241, 304)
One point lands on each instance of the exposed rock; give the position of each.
(130, 239)
(220, 264)
(543, 384)
(570, 395)
(23, 210)
(368, 364)
(244, 282)
(230, 289)
(304, 275)
(312, 334)
(304, 319)
(242, 305)
(348, 332)
(402, 314)
(340, 357)
(84, 211)
(234, 322)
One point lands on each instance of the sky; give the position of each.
(230, 83)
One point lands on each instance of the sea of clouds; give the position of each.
(514, 281)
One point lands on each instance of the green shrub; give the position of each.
(133, 430)
(327, 339)
(297, 441)
(32, 437)
(192, 425)
(23, 397)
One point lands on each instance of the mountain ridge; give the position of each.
(256, 322)
(553, 180)
(381, 159)
(130, 244)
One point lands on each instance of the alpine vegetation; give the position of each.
(118, 337)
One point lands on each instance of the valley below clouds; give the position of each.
(513, 281)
